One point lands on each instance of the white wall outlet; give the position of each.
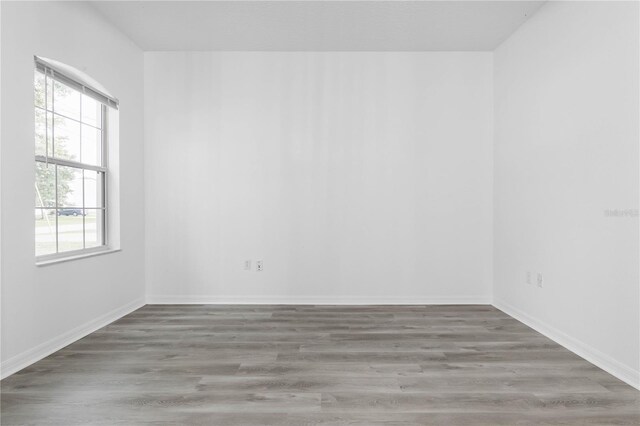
(540, 279)
(259, 266)
(247, 265)
(528, 278)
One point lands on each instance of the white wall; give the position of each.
(566, 151)
(45, 307)
(355, 177)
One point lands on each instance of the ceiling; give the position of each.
(317, 25)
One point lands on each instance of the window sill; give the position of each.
(52, 261)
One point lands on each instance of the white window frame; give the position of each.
(105, 102)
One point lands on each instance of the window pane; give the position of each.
(39, 87)
(91, 111)
(42, 134)
(67, 138)
(70, 230)
(39, 90)
(45, 188)
(94, 228)
(69, 187)
(49, 87)
(45, 231)
(91, 145)
(93, 189)
(66, 101)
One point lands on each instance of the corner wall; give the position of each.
(357, 177)
(45, 308)
(567, 182)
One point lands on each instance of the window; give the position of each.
(71, 170)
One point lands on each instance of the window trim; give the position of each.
(50, 259)
(104, 246)
(58, 73)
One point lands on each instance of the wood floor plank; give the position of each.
(322, 365)
(421, 402)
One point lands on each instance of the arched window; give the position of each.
(71, 145)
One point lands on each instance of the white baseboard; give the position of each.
(594, 356)
(314, 300)
(30, 356)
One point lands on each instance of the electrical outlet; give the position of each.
(540, 279)
(528, 278)
(247, 265)
(259, 266)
